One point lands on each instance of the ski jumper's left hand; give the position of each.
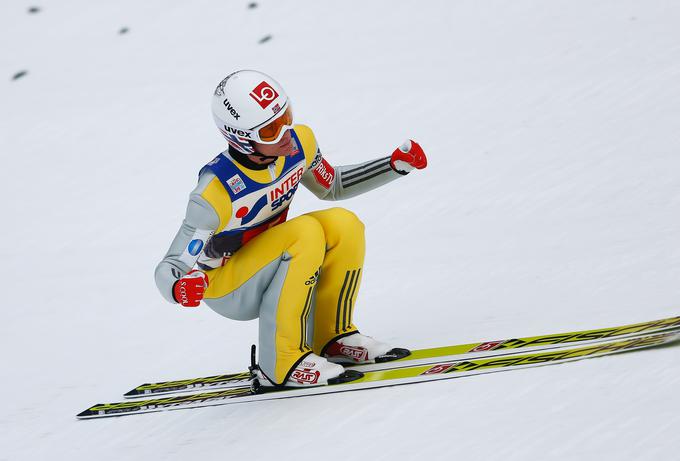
(407, 157)
(188, 291)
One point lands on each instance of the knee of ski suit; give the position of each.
(295, 246)
(342, 220)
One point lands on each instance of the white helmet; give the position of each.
(251, 106)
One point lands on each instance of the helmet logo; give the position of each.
(241, 133)
(264, 94)
(219, 91)
(231, 109)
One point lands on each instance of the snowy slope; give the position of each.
(551, 202)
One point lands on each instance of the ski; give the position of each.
(493, 348)
(386, 378)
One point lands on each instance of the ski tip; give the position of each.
(138, 391)
(146, 390)
(89, 413)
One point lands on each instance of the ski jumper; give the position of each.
(301, 276)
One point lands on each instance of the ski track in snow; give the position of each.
(551, 203)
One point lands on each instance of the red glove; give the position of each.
(407, 157)
(188, 291)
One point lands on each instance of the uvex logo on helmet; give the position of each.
(231, 109)
(241, 133)
(264, 94)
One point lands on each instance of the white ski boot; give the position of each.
(359, 349)
(311, 371)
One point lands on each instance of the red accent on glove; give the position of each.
(410, 152)
(188, 291)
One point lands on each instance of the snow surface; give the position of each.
(551, 203)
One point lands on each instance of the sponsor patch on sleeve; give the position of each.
(195, 247)
(324, 173)
(315, 161)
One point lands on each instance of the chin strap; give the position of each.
(257, 154)
(271, 158)
(243, 159)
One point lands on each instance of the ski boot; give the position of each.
(359, 349)
(311, 371)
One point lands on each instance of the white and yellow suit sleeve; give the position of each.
(202, 219)
(331, 182)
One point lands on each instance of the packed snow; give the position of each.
(551, 203)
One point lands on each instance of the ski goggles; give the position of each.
(272, 132)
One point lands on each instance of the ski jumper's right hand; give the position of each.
(188, 291)
(407, 157)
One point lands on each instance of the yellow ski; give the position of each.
(385, 378)
(489, 348)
